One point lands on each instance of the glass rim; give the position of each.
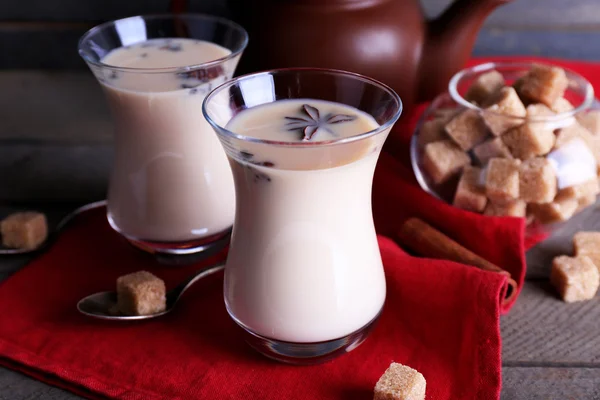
(222, 131)
(194, 16)
(453, 90)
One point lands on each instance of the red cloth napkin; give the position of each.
(440, 317)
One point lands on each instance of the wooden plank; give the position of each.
(542, 330)
(580, 45)
(15, 386)
(550, 383)
(96, 10)
(54, 106)
(534, 13)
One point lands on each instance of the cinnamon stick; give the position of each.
(427, 241)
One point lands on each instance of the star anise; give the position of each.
(312, 121)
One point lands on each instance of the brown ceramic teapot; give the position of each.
(390, 40)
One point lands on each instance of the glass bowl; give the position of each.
(579, 93)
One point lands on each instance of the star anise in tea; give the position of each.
(202, 75)
(311, 121)
(170, 46)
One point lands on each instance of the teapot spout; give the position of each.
(448, 43)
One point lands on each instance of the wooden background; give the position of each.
(44, 33)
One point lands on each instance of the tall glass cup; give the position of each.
(304, 276)
(171, 189)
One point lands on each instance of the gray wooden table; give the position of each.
(551, 350)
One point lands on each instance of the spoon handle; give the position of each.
(176, 292)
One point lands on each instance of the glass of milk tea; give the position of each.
(171, 189)
(304, 277)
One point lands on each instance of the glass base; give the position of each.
(307, 353)
(209, 244)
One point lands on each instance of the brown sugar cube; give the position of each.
(558, 210)
(24, 230)
(585, 243)
(506, 112)
(492, 148)
(485, 86)
(591, 121)
(586, 201)
(537, 181)
(141, 293)
(432, 131)
(544, 84)
(467, 129)
(568, 133)
(538, 110)
(502, 180)
(587, 188)
(444, 159)
(595, 258)
(562, 105)
(470, 195)
(445, 114)
(400, 382)
(517, 208)
(575, 278)
(529, 140)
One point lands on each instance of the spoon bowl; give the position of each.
(101, 305)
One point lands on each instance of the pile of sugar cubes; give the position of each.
(510, 162)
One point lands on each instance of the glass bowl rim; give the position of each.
(453, 90)
(190, 16)
(228, 134)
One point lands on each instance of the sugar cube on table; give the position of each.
(506, 112)
(470, 195)
(400, 382)
(529, 140)
(484, 86)
(443, 159)
(575, 278)
(537, 181)
(591, 121)
(491, 148)
(24, 230)
(586, 243)
(141, 293)
(502, 180)
(544, 84)
(562, 105)
(467, 129)
(432, 131)
(517, 208)
(558, 210)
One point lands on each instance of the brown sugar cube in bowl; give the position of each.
(467, 129)
(141, 293)
(485, 86)
(591, 121)
(537, 181)
(558, 210)
(400, 382)
(506, 112)
(575, 278)
(24, 230)
(587, 188)
(502, 180)
(470, 195)
(491, 148)
(442, 160)
(573, 131)
(529, 140)
(432, 131)
(562, 105)
(544, 84)
(517, 208)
